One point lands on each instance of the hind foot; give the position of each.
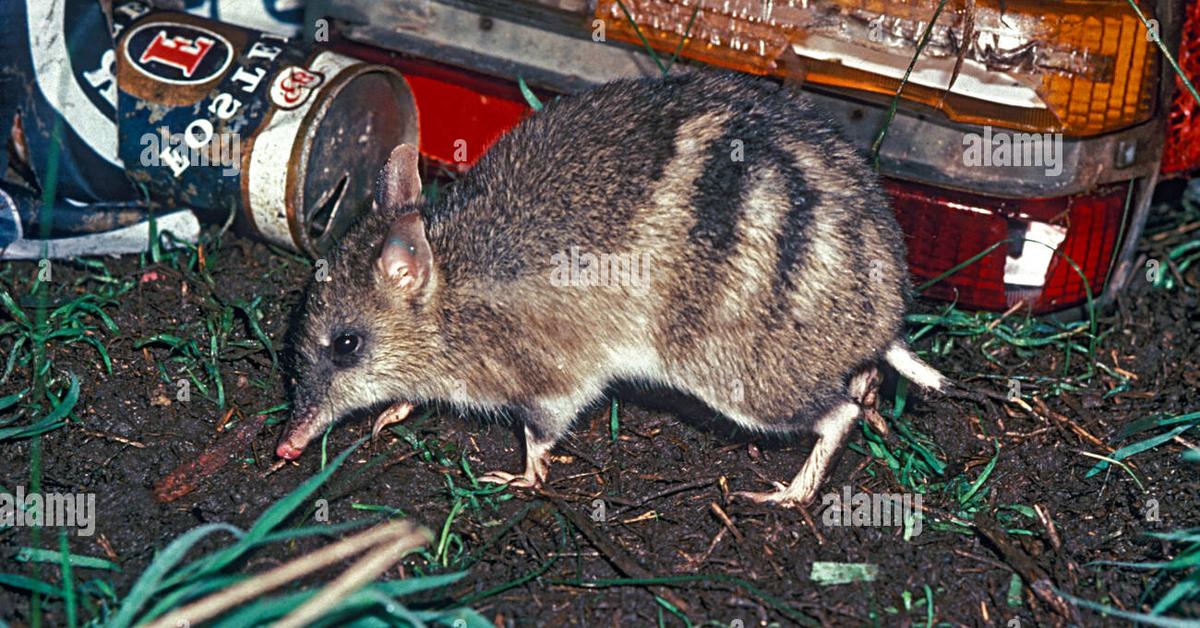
(781, 496)
(864, 388)
(525, 480)
(831, 430)
(537, 466)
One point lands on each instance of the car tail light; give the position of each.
(1082, 67)
(945, 228)
(476, 120)
(1182, 150)
(459, 113)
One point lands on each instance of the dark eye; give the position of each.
(345, 345)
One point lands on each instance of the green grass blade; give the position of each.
(29, 584)
(52, 421)
(1166, 53)
(1187, 536)
(14, 310)
(638, 31)
(961, 265)
(614, 421)
(38, 555)
(177, 596)
(149, 583)
(891, 114)
(68, 580)
(208, 584)
(1138, 447)
(1148, 423)
(1141, 618)
(266, 523)
(380, 594)
(11, 400)
(531, 98)
(1178, 593)
(687, 34)
(978, 483)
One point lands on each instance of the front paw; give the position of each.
(396, 413)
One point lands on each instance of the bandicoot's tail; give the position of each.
(913, 369)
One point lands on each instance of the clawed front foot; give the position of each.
(396, 413)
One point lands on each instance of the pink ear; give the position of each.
(405, 258)
(399, 180)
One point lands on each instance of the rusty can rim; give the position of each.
(310, 125)
(297, 237)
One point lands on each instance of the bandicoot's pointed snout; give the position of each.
(287, 451)
(304, 426)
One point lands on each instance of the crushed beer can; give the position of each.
(224, 119)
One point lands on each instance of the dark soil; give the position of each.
(654, 497)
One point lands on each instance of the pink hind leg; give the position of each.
(831, 429)
(831, 432)
(537, 465)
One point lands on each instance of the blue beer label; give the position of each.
(180, 54)
(203, 94)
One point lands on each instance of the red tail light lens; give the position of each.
(945, 228)
(460, 113)
(458, 124)
(1182, 150)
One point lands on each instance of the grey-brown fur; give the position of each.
(771, 280)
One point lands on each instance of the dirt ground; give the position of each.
(655, 499)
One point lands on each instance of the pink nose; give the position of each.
(287, 452)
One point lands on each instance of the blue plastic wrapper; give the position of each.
(59, 90)
(281, 17)
(143, 113)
